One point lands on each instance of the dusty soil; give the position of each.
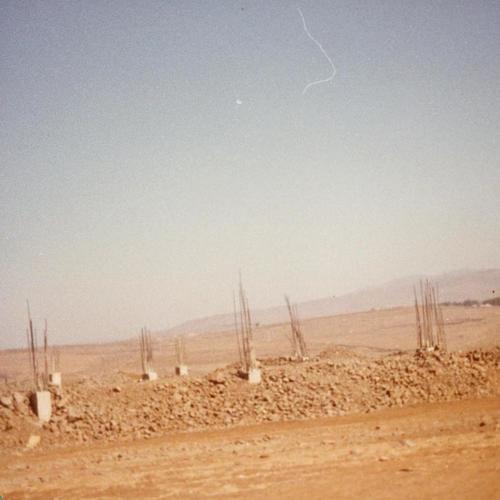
(441, 450)
(366, 416)
(335, 383)
(372, 333)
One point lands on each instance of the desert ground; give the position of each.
(372, 333)
(365, 417)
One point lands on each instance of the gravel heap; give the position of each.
(327, 385)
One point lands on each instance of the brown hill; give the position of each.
(455, 286)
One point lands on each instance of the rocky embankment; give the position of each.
(328, 385)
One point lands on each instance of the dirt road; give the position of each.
(447, 450)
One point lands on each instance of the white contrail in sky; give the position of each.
(323, 51)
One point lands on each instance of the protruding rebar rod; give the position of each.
(45, 378)
(237, 330)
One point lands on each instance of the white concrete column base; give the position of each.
(254, 376)
(181, 370)
(55, 379)
(151, 375)
(41, 402)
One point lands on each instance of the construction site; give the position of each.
(424, 389)
(249, 250)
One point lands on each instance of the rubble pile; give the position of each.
(324, 386)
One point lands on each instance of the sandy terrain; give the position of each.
(366, 417)
(372, 333)
(446, 450)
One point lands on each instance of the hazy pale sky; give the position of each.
(150, 150)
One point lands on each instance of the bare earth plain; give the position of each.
(366, 417)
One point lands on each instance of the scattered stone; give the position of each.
(19, 398)
(217, 377)
(408, 443)
(74, 415)
(288, 391)
(6, 401)
(33, 441)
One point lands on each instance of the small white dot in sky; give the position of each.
(239, 101)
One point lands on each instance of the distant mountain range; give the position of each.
(454, 286)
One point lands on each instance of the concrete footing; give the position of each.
(181, 370)
(254, 376)
(55, 379)
(150, 376)
(41, 402)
